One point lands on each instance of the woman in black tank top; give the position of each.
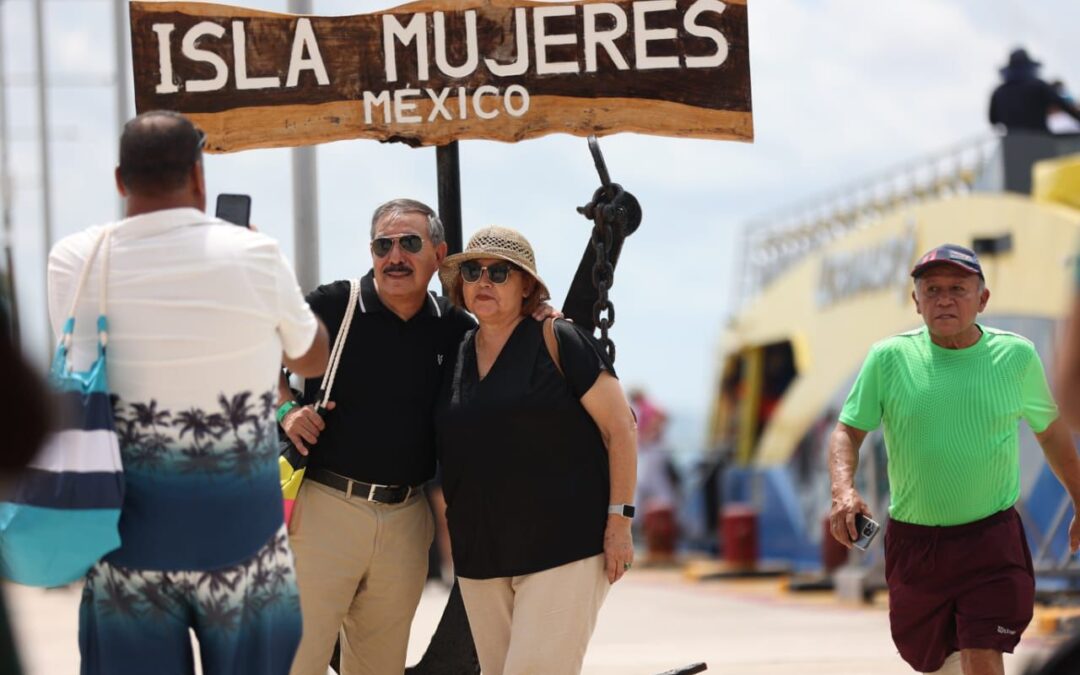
(538, 453)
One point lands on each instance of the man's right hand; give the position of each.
(303, 425)
(845, 506)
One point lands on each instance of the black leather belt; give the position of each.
(381, 494)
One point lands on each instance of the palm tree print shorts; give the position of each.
(246, 617)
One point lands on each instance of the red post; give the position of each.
(739, 532)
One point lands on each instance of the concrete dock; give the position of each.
(654, 620)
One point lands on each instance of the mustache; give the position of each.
(397, 267)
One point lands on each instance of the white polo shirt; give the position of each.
(199, 314)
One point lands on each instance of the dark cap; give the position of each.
(949, 254)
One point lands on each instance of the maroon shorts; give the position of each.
(967, 586)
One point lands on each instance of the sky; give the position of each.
(841, 89)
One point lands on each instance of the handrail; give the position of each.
(775, 241)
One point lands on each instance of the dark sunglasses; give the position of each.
(411, 243)
(471, 271)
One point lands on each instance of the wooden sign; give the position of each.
(435, 71)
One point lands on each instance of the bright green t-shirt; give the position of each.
(951, 421)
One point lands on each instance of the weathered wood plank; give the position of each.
(435, 71)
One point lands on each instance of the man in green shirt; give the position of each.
(950, 396)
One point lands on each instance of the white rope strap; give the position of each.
(103, 283)
(339, 343)
(103, 237)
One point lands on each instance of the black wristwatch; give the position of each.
(624, 510)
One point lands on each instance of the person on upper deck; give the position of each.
(1022, 101)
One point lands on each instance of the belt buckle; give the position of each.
(371, 492)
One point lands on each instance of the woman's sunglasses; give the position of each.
(410, 243)
(471, 271)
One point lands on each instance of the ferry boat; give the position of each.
(822, 282)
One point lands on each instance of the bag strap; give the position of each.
(339, 343)
(100, 244)
(459, 367)
(551, 340)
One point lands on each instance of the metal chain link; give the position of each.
(603, 277)
(615, 213)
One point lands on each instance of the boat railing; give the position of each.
(776, 241)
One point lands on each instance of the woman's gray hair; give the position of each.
(399, 207)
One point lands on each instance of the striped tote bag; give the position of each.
(61, 513)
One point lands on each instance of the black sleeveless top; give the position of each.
(525, 470)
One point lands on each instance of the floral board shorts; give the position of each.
(246, 617)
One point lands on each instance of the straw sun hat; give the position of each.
(500, 243)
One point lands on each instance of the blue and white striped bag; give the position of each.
(62, 511)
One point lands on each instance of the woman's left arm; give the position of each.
(608, 407)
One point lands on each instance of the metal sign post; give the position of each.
(43, 137)
(449, 178)
(6, 194)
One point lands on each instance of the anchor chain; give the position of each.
(615, 213)
(603, 278)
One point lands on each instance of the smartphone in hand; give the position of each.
(867, 530)
(235, 209)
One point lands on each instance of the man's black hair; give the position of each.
(157, 152)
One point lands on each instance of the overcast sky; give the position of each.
(841, 88)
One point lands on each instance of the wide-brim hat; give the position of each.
(1020, 62)
(500, 243)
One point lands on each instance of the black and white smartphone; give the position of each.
(867, 530)
(235, 209)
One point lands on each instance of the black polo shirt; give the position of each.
(382, 428)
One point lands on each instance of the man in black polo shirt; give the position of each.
(360, 527)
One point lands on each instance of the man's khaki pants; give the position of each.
(360, 568)
(536, 624)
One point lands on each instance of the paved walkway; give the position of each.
(653, 621)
